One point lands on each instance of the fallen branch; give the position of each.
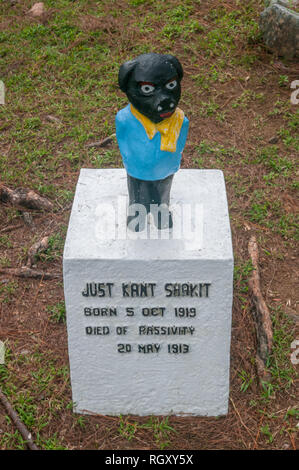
(18, 423)
(261, 314)
(26, 272)
(39, 246)
(10, 228)
(24, 197)
(101, 143)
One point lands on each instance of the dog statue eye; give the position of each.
(171, 85)
(147, 89)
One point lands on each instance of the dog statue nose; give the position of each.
(165, 105)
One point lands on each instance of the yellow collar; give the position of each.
(169, 128)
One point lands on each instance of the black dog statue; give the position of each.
(151, 132)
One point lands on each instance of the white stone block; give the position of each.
(161, 360)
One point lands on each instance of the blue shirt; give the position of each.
(141, 156)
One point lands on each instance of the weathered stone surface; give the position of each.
(167, 351)
(280, 27)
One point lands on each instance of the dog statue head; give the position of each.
(152, 83)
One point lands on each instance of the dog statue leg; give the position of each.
(160, 196)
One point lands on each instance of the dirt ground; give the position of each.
(237, 99)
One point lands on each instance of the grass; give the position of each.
(161, 431)
(237, 97)
(127, 429)
(283, 373)
(246, 379)
(268, 212)
(7, 291)
(27, 401)
(55, 246)
(5, 241)
(280, 366)
(57, 312)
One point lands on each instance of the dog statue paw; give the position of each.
(151, 132)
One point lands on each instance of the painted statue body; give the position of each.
(151, 131)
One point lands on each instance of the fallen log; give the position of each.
(262, 317)
(26, 272)
(25, 198)
(18, 423)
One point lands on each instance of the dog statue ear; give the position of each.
(176, 63)
(124, 73)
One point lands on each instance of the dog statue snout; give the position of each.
(165, 103)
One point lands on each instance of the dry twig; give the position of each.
(241, 421)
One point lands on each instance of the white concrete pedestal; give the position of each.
(149, 318)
